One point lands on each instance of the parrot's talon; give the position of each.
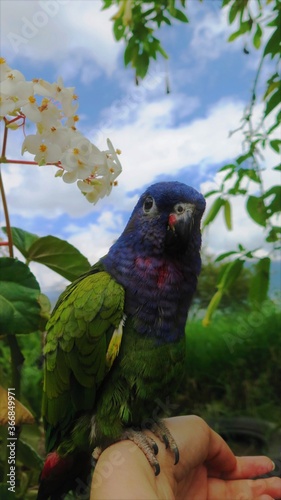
(176, 455)
(154, 447)
(162, 432)
(146, 444)
(156, 469)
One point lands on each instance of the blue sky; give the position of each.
(183, 135)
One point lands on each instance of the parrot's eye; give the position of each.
(148, 204)
(179, 208)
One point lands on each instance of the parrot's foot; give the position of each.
(162, 432)
(147, 446)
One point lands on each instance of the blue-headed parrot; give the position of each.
(115, 341)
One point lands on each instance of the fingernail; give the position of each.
(273, 465)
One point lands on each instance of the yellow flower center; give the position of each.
(32, 99)
(2, 60)
(43, 148)
(76, 118)
(44, 105)
(76, 151)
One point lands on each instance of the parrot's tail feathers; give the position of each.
(62, 474)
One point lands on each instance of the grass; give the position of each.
(234, 366)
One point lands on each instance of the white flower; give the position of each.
(50, 114)
(59, 135)
(7, 105)
(94, 189)
(76, 164)
(4, 69)
(9, 85)
(57, 140)
(58, 92)
(113, 162)
(44, 151)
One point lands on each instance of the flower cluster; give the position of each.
(53, 109)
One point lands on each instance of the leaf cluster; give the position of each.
(24, 311)
(136, 21)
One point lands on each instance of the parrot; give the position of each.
(115, 342)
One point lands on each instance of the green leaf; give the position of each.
(257, 37)
(273, 45)
(131, 51)
(107, 4)
(142, 64)
(215, 191)
(213, 305)
(259, 283)
(225, 255)
(230, 274)
(272, 102)
(162, 51)
(234, 9)
(22, 239)
(273, 84)
(213, 211)
(252, 174)
(178, 14)
(118, 28)
(243, 158)
(28, 456)
(227, 215)
(19, 298)
(275, 204)
(274, 234)
(257, 210)
(243, 28)
(227, 167)
(275, 144)
(60, 256)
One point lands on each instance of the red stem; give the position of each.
(7, 219)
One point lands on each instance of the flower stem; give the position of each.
(7, 219)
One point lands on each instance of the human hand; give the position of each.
(207, 469)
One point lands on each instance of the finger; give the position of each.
(246, 467)
(244, 489)
(198, 443)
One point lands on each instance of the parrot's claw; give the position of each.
(147, 446)
(162, 432)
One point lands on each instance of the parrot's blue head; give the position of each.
(157, 259)
(166, 219)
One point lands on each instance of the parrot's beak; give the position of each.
(179, 228)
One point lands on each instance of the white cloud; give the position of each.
(95, 239)
(71, 34)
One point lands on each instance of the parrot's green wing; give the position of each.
(83, 338)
